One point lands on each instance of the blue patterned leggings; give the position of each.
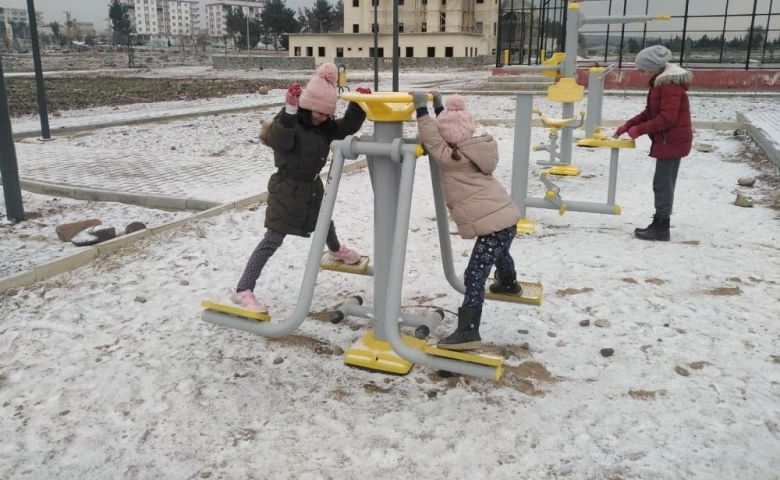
(489, 250)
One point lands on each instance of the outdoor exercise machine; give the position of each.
(566, 90)
(391, 162)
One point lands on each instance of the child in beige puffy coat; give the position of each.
(478, 203)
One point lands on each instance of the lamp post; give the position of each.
(9, 170)
(376, 47)
(247, 33)
(42, 112)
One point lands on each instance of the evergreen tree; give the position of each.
(120, 21)
(276, 21)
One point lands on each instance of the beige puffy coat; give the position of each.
(476, 200)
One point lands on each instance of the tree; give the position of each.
(337, 17)
(235, 23)
(55, 30)
(120, 21)
(277, 20)
(202, 41)
(755, 37)
(317, 19)
(633, 45)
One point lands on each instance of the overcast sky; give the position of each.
(97, 11)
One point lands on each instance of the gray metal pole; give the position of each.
(395, 45)
(376, 47)
(387, 178)
(613, 171)
(247, 33)
(569, 70)
(42, 112)
(9, 170)
(521, 150)
(750, 36)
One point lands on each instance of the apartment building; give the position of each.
(216, 14)
(158, 19)
(9, 15)
(426, 28)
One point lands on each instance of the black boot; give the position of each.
(656, 219)
(506, 284)
(660, 232)
(466, 336)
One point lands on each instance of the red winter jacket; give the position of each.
(667, 116)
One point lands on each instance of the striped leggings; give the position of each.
(265, 250)
(489, 250)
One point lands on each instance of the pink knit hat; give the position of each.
(455, 122)
(320, 93)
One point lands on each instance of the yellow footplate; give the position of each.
(235, 311)
(568, 170)
(329, 263)
(469, 356)
(373, 354)
(530, 294)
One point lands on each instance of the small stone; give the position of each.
(140, 299)
(184, 283)
(56, 114)
(93, 236)
(607, 352)
(560, 343)
(552, 334)
(263, 90)
(584, 323)
(525, 346)
(278, 360)
(134, 227)
(523, 331)
(603, 323)
(98, 360)
(747, 181)
(67, 231)
(681, 371)
(743, 201)
(173, 147)
(240, 375)
(703, 147)
(338, 351)
(666, 324)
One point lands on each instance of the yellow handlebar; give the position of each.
(380, 97)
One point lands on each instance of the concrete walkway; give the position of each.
(764, 128)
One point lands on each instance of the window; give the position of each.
(448, 52)
(380, 52)
(444, 2)
(476, 51)
(355, 28)
(400, 28)
(339, 52)
(443, 22)
(309, 51)
(410, 51)
(494, 28)
(478, 1)
(466, 54)
(374, 3)
(400, 2)
(478, 27)
(320, 51)
(431, 51)
(424, 27)
(355, 3)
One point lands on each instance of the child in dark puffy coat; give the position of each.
(300, 136)
(667, 121)
(479, 205)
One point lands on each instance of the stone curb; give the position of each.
(140, 121)
(162, 202)
(87, 254)
(762, 139)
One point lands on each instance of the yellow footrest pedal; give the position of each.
(329, 263)
(235, 311)
(567, 170)
(373, 354)
(466, 356)
(530, 294)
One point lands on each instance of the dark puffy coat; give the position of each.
(300, 152)
(667, 116)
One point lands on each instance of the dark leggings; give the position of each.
(489, 250)
(664, 181)
(265, 250)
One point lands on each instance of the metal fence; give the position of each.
(741, 34)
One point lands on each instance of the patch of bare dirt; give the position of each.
(698, 365)
(630, 280)
(655, 281)
(420, 299)
(724, 291)
(573, 291)
(646, 394)
(529, 377)
(695, 243)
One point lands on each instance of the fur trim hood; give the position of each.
(673, 74)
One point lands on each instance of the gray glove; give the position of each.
(437, 101)
(420, 99)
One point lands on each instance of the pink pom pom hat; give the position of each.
(320, 93)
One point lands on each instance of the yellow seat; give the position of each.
(567, 90)
(328, 263)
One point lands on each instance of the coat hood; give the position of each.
(482, 151)
(673, 74)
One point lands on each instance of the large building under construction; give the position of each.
(426, 28)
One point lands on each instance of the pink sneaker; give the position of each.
(346, 255)
(247, 300)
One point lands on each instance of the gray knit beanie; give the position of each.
(652, 59)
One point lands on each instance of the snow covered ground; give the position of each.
(108, 372)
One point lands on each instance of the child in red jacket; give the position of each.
(667, 120)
